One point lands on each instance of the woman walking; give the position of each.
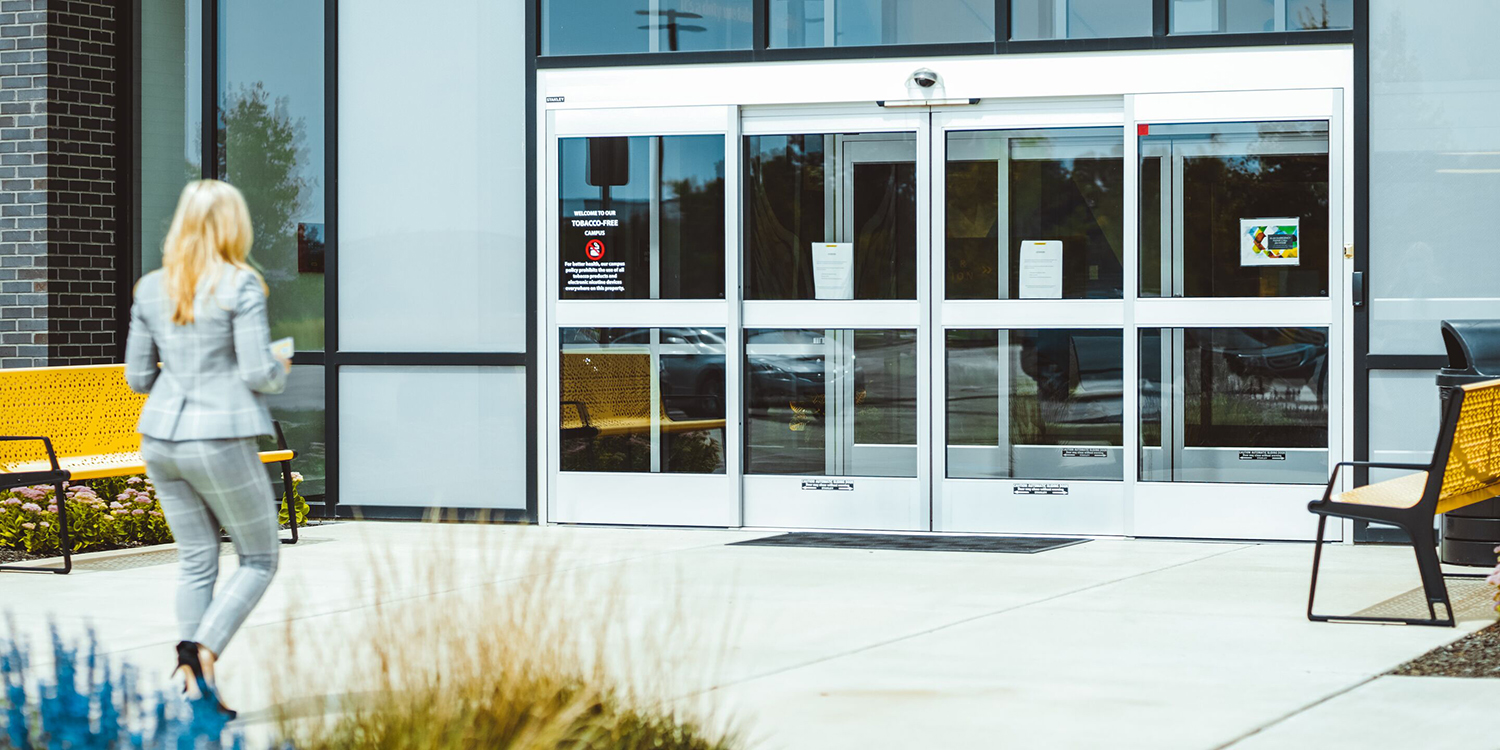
(203, 318)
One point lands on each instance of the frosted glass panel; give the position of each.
(1434, 169)
(413, 436)
(1403, 418)
(432, 206)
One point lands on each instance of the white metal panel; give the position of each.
(668, 499)
(872, 503)
(1039, 76)
(643, 313)
(1227, 511)
(1225, 312)
(856, 314)
(1236, 106)
(1034, 314)
(640, 121)
(1026, 506)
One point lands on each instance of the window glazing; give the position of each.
(1079, 19)
(1250, 16)
(597, 27)
(858, 23)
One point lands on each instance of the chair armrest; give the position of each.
(1328, 491)
(583, 412)
(46, 443)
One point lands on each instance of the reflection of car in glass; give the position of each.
(787, 368)
(691, 371)
(1272, 352)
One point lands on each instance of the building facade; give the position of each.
(1144, 268)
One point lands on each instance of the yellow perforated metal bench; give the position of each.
(62, 424)
(1465, 469)
(609, 393)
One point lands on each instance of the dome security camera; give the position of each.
(924, 78)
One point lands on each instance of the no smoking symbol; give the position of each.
(594, 249)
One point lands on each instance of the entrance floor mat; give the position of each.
(1472, 598)
(1016, 545)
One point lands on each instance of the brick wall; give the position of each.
(81, 246)
(57, 183)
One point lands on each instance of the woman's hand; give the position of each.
(286, 364)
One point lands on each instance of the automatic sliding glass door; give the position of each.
(1238, 333)
(835, 347)
(1032, 319)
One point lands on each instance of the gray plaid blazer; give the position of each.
(215, 371)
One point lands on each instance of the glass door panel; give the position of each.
(642, 395)
(1238, 332)
(1247, 405)
(831, 217)
(1033, 236)
(1064, 186)
(1042, 404)
(837, 412)
(837, 403)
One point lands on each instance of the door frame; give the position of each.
(1028, 506)
(1230, 510)
(863, 503)
(644, 498)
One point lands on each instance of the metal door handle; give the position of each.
(1359, 288)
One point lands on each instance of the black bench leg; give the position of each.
(286, 500)
(1432, 583)
(286, 486)
(1312, 588)
(1431, 569)
(65, 541)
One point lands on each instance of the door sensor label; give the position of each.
(1262, 455)
(1039, 489)
(1085, 453)
(827, 485)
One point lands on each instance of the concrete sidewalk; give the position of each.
(1113, 643)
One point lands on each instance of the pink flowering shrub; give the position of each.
(103, 514)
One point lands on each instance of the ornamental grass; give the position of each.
(532, 658)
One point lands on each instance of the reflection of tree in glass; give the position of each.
(261, 150)
(785, 197)
(694, 208)
(1309, 19)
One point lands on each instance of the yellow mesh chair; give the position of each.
(61, 424)
(1465, 469)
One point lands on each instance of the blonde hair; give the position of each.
(210, 229)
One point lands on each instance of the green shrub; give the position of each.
(102, 514)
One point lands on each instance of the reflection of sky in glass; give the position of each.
(193, 84)
(592, 27)
(800, 23)
(1085, 19)
(280, 43)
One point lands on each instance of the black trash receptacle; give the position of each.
(1470, 534)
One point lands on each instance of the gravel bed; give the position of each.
(15, 556)
(1474, 655)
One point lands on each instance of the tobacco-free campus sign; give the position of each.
(593, 274)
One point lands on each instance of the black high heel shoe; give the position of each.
(195, 681)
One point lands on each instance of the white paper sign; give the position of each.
(1041, 269)
(1269, 242)
(833, 270)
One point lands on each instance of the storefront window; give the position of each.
(1079, 19)
(597, 27)
(1248, 16)
(1023, 203)
(831, 217)
(1035, 404)
(271, 146)
(642, 217)
(643, 400)
(856, 23)
(831, 402)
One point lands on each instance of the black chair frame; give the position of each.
(1416, 521)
